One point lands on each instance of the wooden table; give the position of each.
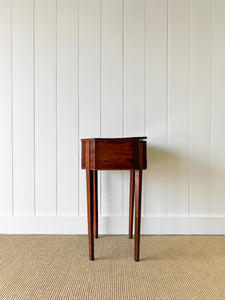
(114, 154)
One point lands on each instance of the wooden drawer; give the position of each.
(114, 154)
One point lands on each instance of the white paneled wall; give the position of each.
(112, 25)
(200, 100)
(71, 69)
(67, 108)
(6, 116)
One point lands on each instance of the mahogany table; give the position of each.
(114, 154)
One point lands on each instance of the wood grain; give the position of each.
(89, 180)
(125, 154)
(138, 188)
(95, 200)
(131, 203)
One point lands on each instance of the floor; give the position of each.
(57, 267)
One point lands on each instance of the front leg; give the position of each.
(89, 177)
(138, 188)
(131, 205)
(95, 194)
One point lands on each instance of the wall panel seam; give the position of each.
(100, 96)
(12, 112)
(167, 106)
(34, 120)
(123, 45)
(56, 107)
(189, 119)
(78, 100)
(211, 115)
(123, 34)
(145, 91)
(78, 114)
(100, 67)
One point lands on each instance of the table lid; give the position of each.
(137, 138)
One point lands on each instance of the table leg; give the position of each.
(89, 177)
(138, 187)
(131, 206)
(95, 194)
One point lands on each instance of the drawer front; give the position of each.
(110, 155)
(119, 155)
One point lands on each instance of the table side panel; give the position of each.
(83, 161)
(92, 155)
(143, 155)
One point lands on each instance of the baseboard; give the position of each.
(111, 225)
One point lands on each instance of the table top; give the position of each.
(137, 138)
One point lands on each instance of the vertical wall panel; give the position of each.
(111, 97)
(45, 106)
(134, 77)
(23, 107)
(67, 107)
(218, 109)
(5, 110)
(200, 147)
(178, 107)
(156, 107)
(89, 79)
(134, 67)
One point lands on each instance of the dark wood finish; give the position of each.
(89, 175)
(125, 155)
(123, 139)
(131, 206)
(114, 154)
(89, 179)
(83, 161)
(95, 194)
(138, 184)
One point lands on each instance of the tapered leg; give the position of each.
(95, 194)
(138, 186)
(89, 176)
(131, 207)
